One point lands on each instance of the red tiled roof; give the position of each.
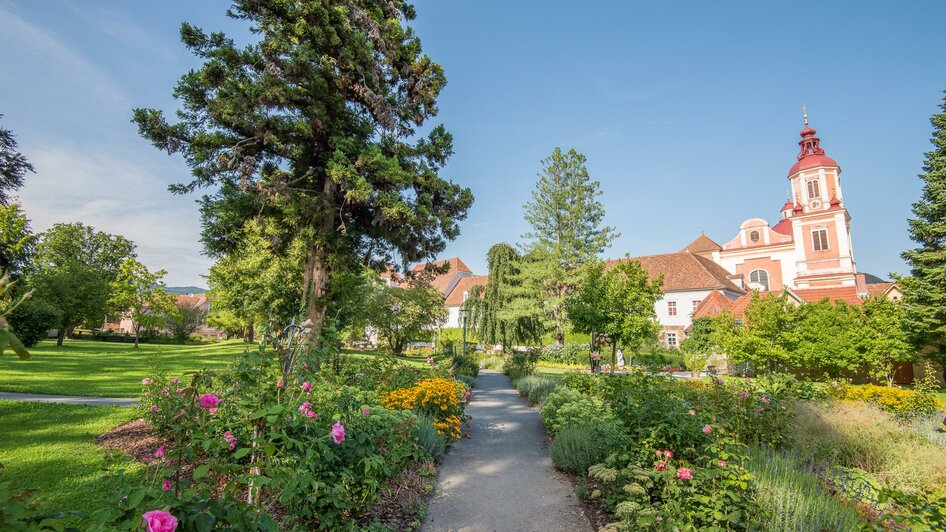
(784, 227)
(875, 289)
(442, 281)
(685, 271)
(702, 244)
(455, 298)
(848, 294)
(713, 304)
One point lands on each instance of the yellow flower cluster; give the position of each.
(438, 397)
(891, 399)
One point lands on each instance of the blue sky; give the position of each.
(688, 113)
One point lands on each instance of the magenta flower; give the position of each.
(306, 386)
(175, 381)
(761, 409)
(159, 521)
(707, 429)
(209, 400)
(230, 439)
(146, 381)
(212, 411)
(668, 453)
(338, 433)
(467, 394)
(311, 414)
(684, 473)
(744, 394)
(159, 452)
(766, 400)
(430, 361)
(280, 383)
(154, 408)
(661, 466)
(167, 485)
(365, 411)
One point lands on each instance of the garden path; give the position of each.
(502, 478)
(66, 399)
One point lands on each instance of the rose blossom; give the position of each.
(744, 394)
(159, 452)
(692, 412)
(722, 463)
(684, 473)
(761, 409)
(230, 439)
(154, 408)
(159, 521)
(430, 361)
(167, 485)
(766, 400)
(280, 383)
(707, 429)
(306, 386)
(146, 381)
(212, 411)
(661, 466)
(338, 433)
(209, 400)
(365, 411)
(175, 381)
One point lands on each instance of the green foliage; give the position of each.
(17, 241)
(13, 166)
(184, 320)
(433, 444)
(796, 499)
(401, 315)
(139, 294)
(461, 364)
(521, 363)
(565, 354)
(312, 129)
(73, 269)
(32, 319)
(576, 448)
(535, 388)
(493, 317)
(924, 290)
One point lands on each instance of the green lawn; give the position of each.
(52, 448)
(105, 369)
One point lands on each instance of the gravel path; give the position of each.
(502, 477)
(66, 399)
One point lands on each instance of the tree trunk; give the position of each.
(137, 335)
(248, 333)
(60, 336)
(316, 261)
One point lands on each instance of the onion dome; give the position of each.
(798, 208)
(835, 202)
(811, 154)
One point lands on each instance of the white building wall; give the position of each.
(685, 307)
(453, 318)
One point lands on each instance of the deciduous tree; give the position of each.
(924, 290)
(17, 241)
(494, 319)
(400, 315)
(313, 129)
(73, 267)
(138, 294)
(13, 165)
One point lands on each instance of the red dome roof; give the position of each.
(812, 161)
(788, 205)
(811, 154)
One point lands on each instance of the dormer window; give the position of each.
(814, 189)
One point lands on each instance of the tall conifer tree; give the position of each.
(925, 288)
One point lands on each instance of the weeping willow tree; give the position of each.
(495, 319)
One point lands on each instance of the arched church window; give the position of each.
(814, 189)
(760, 278)
(754, 236)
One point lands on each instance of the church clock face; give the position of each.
(815, 204)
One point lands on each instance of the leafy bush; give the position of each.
(521, 364)
(468, 381)
(576, 354)
(861, 435)
(464, 365)
(493, 362)
(568, 407)
(32, 319)
(576, 448)
(535, 388)
(904, 404)
(796, 500)
(430, 440)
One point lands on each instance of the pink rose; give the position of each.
(212, 411)
(668, 453)
(147, 394)
(684, 473)
(707, 429)
(159, 521)
(179, 390)
(175, 381)
(209, 400)
(692, 412)
(744, 394)
(338, 433)
(167, 485)
(159, 452)
(761, 409)
(661, 466)
(146, 381)
(766, 400)
(467, 394)
(311, 414)
(430, 361)
(280, 383)
(722, 463)
(306, 386)
(365, 411)
(154, 408)
(231, 439)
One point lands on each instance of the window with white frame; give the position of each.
(671, 339)
(671, 308)
(696, 303)
(761, 278)
(814, 188)
(819, 239)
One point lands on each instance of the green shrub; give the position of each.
(433, 444)
(535, 388)
(567, 407)
(576, 448)
(796, 500)
(565, 354)
(468, 381)
(493, 362)
(521, 364)
(32, 320)
(464, 365)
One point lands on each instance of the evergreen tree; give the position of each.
(566, 218)
(925, 289)
(312, 130)
(13, 165)
(17, 241)
(494, 319)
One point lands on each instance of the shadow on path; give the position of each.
(502, 477)
(66, 399)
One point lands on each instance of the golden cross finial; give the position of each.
(804, 112)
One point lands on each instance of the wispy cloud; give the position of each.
(122, 28)
(112, 194)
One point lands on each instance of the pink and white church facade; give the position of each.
(810, 246)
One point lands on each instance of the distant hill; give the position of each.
(180, 290)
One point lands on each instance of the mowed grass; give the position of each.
(106, 369)
(51, 448)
